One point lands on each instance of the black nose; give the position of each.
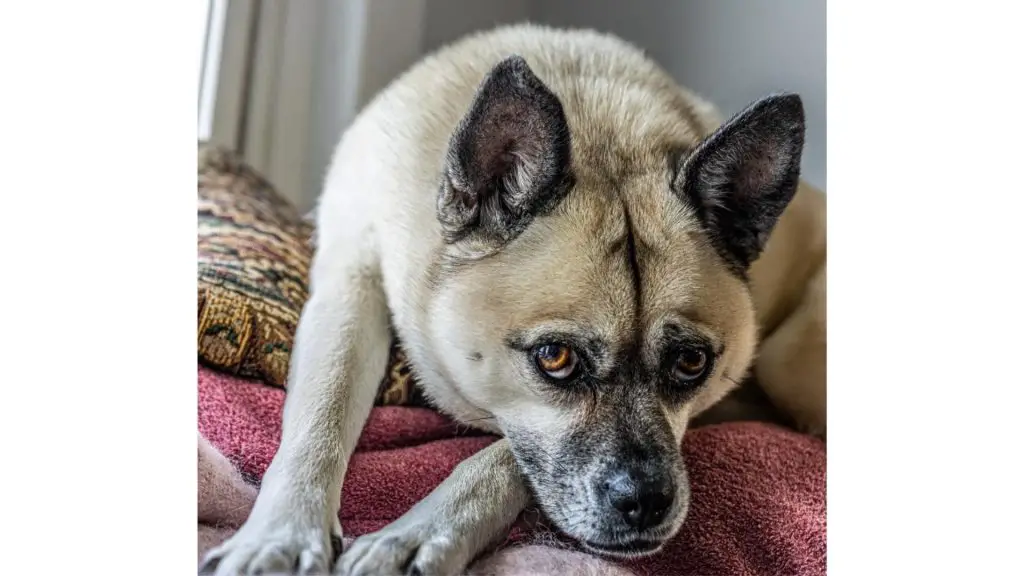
(643, 500)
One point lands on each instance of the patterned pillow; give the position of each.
(254, 257)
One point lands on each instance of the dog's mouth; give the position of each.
(630, 549)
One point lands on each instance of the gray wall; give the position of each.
(729, 51)
(732, 52)
(447, 20)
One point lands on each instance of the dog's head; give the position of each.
(592, 293)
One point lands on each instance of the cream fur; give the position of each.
(380, 258)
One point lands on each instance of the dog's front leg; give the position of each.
(442, 534)
(340, 354)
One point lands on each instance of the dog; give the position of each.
(578, 255)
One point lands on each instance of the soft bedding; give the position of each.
(758, 491)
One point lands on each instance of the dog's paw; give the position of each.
(417, 549)
(285, 549)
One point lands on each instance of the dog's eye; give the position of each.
(555, 360)
(691, 364)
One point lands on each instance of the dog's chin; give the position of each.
(628, 544)
(633, 548)
(618, 542)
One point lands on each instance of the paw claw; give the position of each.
(337, 547)
(209, 565)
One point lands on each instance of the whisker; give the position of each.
(477, 419)
(730, 379)
(467, 423)
(553, 462)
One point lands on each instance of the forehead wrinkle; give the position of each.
(612, 278)
(594, 228)
(624, 248)
(634, 262)
(667, 257)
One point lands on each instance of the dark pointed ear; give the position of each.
(508, 159)
(743, 176)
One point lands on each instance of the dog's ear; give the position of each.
(508, 159)
(742, 177)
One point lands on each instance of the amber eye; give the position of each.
(691, 364)
(555, 360)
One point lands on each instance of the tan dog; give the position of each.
(569, 246)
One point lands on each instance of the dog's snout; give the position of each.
(642, 500)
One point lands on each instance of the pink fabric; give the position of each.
(758, 505)
(225, 500)
(758, 491)
(224, 497)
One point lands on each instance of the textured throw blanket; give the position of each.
(758, 491)
(225, 499)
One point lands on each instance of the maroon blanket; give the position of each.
(758, 491)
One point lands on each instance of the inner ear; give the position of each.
(508, 159)
(741, 178)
